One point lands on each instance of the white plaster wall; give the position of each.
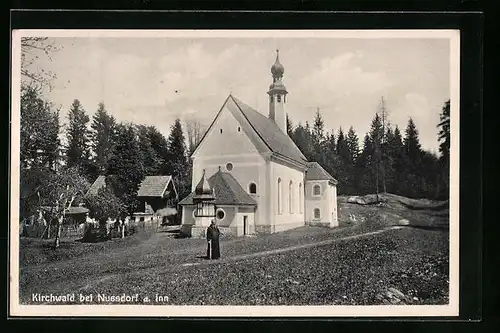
(335, 219)
(287, 219)
(249, 212)
(187, 215)
(221, 148)
(324, 202)
(229, 216)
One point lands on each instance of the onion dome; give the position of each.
(203, 188)
(277, 69)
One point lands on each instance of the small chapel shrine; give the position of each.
(250, 176)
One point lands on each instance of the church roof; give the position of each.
(277, 141)
(151, 186)
(227, 191)
(316, 172)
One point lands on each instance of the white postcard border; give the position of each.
(451, 309)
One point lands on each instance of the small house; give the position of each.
(157, 196)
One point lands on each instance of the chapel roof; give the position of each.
(227, 191)
(316, 172)
(277, 141)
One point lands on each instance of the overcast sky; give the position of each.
(154, 80)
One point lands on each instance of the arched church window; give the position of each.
(239, 129)
(290, 197)
(252, 188)
(279, 98)
(316, 190)
(301, 198)
(221, 131)
(317, 213)
(280, 190)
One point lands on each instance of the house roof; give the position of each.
(227, 191)
(96, 185)
(316, 172)
(151, 186)
(70, 210)
(277, 141)
(154, 186)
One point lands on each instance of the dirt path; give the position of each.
(290, 248)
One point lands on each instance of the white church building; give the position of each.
(251, 178)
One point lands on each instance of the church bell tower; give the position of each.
(277, 95)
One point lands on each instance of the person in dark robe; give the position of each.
(213, 233)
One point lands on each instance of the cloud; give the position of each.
(155, 81)
(346, 93)
(341, 76)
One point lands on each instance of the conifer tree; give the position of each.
(302, 138)
(412, 162)
(78, 153)
(444, 150)
(344, 163)
(125, 169)
(289, 126)
(376, 137)
(412, 145)
(160, 146)
(352, 144)
(364, 167)
(102, 138)
(330, 161)
(444, 132)
(39, 132)
(318, 137)
(343, 148)
(151, 162)
(178, 164)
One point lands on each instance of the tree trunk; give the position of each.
(122, 230)
(60, 220)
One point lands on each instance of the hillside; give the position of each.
(393, 210)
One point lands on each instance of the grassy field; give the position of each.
(413, 260)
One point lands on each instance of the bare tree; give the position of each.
(60, 192)
(194, 131)
(32, 50)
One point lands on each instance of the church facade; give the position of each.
(251, 177)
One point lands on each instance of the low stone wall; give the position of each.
(264, 229)
(189, 230)
(270, 229)
(319, 224)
